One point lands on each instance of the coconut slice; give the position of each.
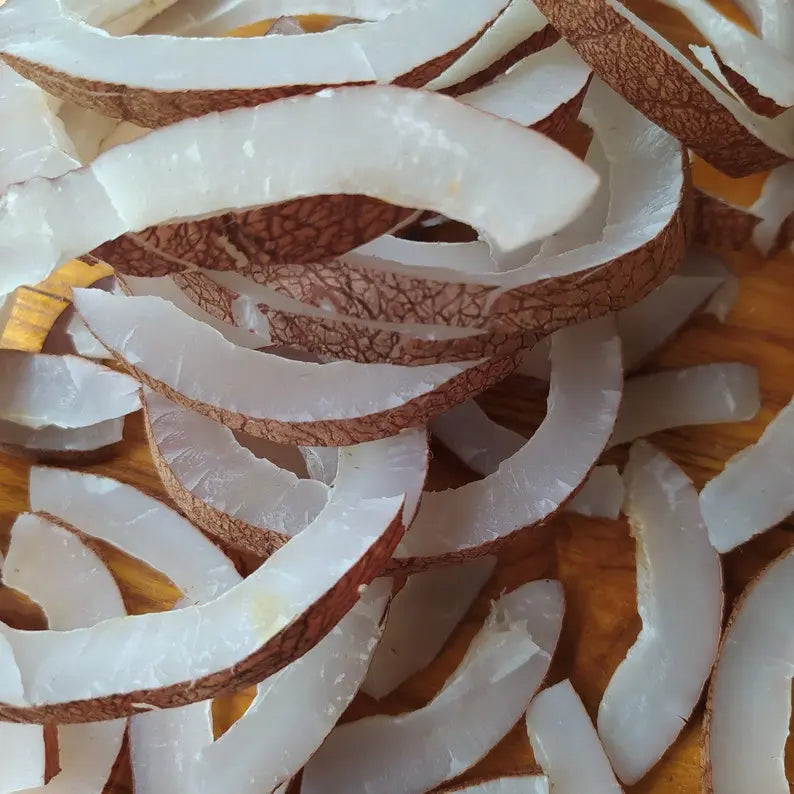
(601, 496)
(638, 250)
(251, 631)
(512, 207)
(774, 19)
(503, 667)
(75, 589)
(753, 491)
(295, 709)
(679, 598)
(629, 55)
(241, 394)
(255, 70)
(536, 481)
(56, 446)
(749, 703)
(422, 616)
(517, 784)
(703, 395)
(775, 208)
(566, 744)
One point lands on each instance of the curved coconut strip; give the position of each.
(503, 667)
(239, 303)
(295, 709)
(517, 784)
(703, 395)
(75, 590)
(241, 395)
(566, 744)
(422, 616)
(222, 486)
(679, 598)
(511, 206)
(251, 631)
(630, 56)
(719, 224)
(255, 70)
(535, 482)
(57, 445)
(753, 492)
(637, 250)
(749, 703)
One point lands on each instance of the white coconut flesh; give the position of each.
(679, 598)
(752, 493)
(39, 391)
(774, 206)
(74, 589)
(158, 343)
(601, 496)
(477, 706)
(124, 190)
(295, 709)
(422, 616)
(764, 66)
(356, 53)
(566, 744)
(61, 440)
(538, 479)
(774, 19)
(749, 704)
(251, 631)
(701, 395)
(519, 784)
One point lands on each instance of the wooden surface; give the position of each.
(593, 558)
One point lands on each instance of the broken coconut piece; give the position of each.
(477, 706)
(749, 703)
(360, 401)
(774, 19)
(517, 784)
(566, 744)
(74, 589)
(601, 496)
(223, 487)
(255, 70)
(536, 481)
(753, 492)
(775, 208)
(422, 616)
(125, 191)
(295, 709)
(251, 631)
(679, 598)
(630, 56)
(56, 445)
(701, 395)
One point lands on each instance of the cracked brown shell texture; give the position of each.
(535, 310)
(658, 86)
(705, 734)
(748, 93)
(226, 528)
(719, 224)
(61, 457)
(150, 108)
(346, 339)
(292, 642)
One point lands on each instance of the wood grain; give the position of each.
(593, 558)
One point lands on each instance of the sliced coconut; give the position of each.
(254, 70)
(753, 492)
(84, 342)
(274, 616)
(126, 191)
(57, 445)
(703, 395)
(151, 336)
(421, 618)
(637, 250)
(477, 706)
(720, 224)
(75, 589)
(774, 19)
(601, 496)
(566, 744)
(223, 487)
(679, 598)
(630, 56)
(775, 208)
(767, 71)
(117, 17)
(749, 703)
(536, 481)
(321, 463)
(295, 709)
(517, 784)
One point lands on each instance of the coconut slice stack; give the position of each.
(329, 245)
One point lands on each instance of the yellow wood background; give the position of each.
(593, 558)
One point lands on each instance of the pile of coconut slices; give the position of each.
(327, 241)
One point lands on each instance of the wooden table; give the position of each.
(593, 558)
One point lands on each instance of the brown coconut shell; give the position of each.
(719, 224)
(748, 93)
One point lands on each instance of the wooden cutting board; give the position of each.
(593, 558)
